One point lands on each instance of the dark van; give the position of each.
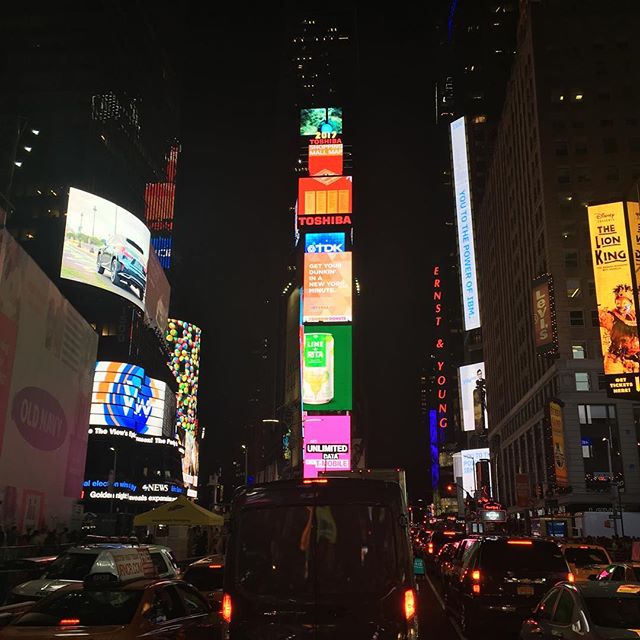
(319, 559)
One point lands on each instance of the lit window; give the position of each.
(579, 96)
(479, 119)
(587, 448)
(578, 351)
(582, 381)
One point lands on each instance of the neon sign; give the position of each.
(440, 353)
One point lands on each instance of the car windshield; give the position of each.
(615, 613)
(135, 246)
(88, 608)
(316, 550)
(584, 557)
(511, 558)
(204, 578)
(71, 566)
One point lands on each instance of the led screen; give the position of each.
(464, 466)
(158, 294)
(162, 245)
(326, 157)
(324, 243)
(316, 121)
(105, 246)
(47, 356)
(327, 287)
(327, 444)
(124, 396)
(474, 397)
(614, 288)
(464, 218)
(327, 368)
(326, 195)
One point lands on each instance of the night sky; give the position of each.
(234, 232)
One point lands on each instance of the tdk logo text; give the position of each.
(324, 243)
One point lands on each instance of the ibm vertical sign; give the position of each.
(466, 248)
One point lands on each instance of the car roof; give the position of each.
(605, 589)
(94, 547)
(575, 545)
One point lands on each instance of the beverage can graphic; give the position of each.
(317, 368)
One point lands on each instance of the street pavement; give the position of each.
(434, 622)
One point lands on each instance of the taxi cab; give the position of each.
(585, 560)
(207, 575)
(586, 611)
(124, 601)
(78, 562)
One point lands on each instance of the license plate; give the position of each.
(525, 591)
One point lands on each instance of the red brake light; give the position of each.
(526, 542)
(409, 604)
(430, 547)
(476, 588)
(215, 566)
(226, 607)
(69, 622)
(571, 577)
(584, 546)
(450, 533)
(315, 481)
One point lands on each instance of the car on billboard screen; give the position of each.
(123, 259)
(105, 246)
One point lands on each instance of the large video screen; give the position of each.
(47, 355)
(125, 397)
(327, 368)
(316, 121)
(327, 287)
(105, 246)
(327, 444)
(329, 194)
(324, 242)
(473, 394)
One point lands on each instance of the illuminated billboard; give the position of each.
(556, 422)
(321, 121)
(327, 368)
(612, 266)
(162, 246)
(125, 397)
(326, 444)
(473, 395)
(325, 195)
(105, 246)
(324, 243)
(327, 287)
(466, 248)
(326, 157)
(545, 331)
(47, 355)
(464, 466)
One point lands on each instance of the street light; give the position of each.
(113, 481)
(246, 464)
(613, 487)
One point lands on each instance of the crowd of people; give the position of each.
(40, 539)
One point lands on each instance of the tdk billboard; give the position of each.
(324, 243)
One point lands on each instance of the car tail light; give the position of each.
(475, 575)
(525, 542)
(409, 604)
(571, 577)
(476, 588)
(430, 547)
(215, 566)
(226, 607)
(315, 481)
(69, 622)
(126, 254)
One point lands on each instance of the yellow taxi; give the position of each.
(585, 560)
(125, 601)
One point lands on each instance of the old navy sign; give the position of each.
(466, 248)
(324, 243)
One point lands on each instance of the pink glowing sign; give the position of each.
(327, 444)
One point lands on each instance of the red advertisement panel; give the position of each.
(325, 159)
(326, 195)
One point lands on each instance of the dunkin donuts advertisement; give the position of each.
(326, 368)
(47, 356)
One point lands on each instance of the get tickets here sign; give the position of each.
(327, 287)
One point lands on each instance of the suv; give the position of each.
(75, 564)
(501, 579)
(321, 558)
(125, 262)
